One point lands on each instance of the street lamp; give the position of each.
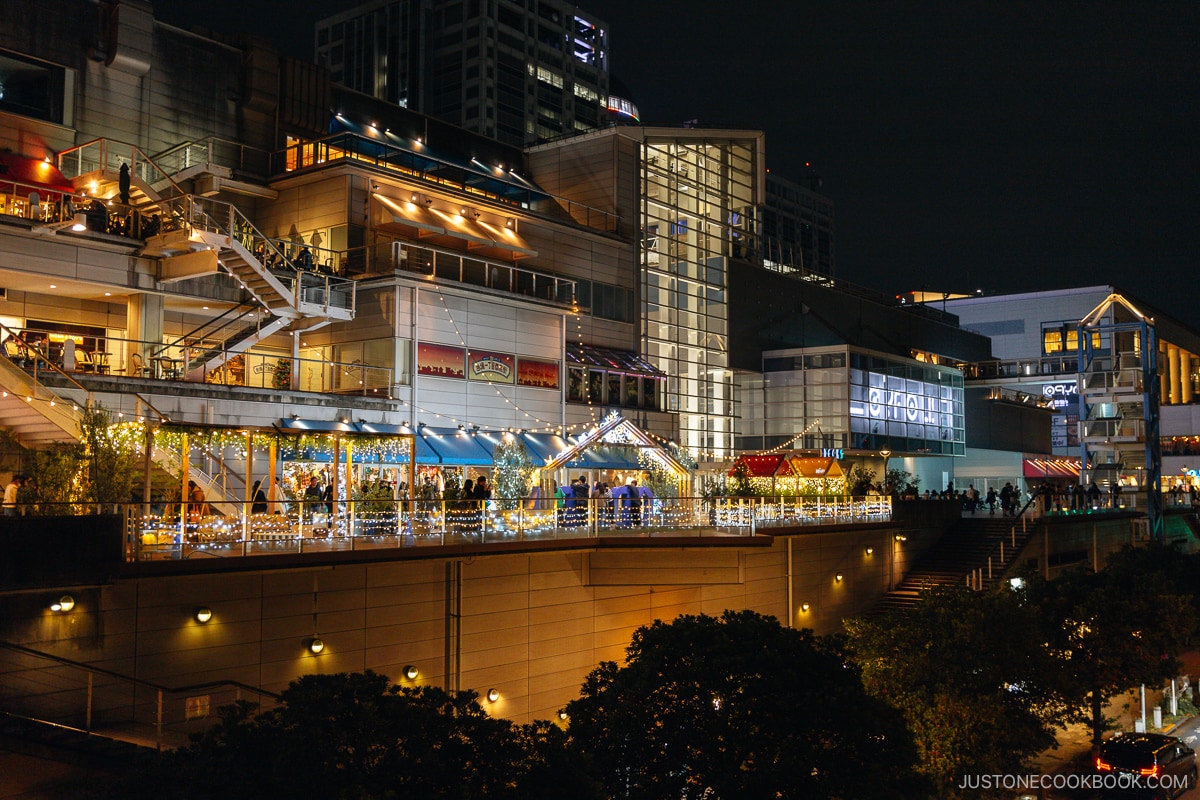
(885, 453)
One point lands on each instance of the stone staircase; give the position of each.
(963, 552)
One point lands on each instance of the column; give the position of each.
(1172, 395)
(1185, 376)
(143, 323)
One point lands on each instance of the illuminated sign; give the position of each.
(1061, 394)
(832, 452)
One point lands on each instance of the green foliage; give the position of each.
(513, 473)
(281, 375)
(859, 479)
(109, 459)
(713, 486)
(353, 736)
(737, 706)
(898, 481)
(57, 479)
(661, 480)
(1120, 627)
(970, 675)
(741, 483)
(374, 496)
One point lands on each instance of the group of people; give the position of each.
(625, 505)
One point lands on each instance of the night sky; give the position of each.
(1004, 146)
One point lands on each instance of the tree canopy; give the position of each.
(354, 736)
(738, 707)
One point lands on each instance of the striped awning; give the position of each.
(1052, 468)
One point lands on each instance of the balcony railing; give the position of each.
(313, 527)
(178, 363)
(154, 531)
(1023, 367)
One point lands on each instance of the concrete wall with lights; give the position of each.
(530, 625)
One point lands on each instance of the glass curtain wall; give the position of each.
(697, 213)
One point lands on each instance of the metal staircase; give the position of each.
(192, 225)
(33, 414)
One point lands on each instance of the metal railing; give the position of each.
(216, 151)
(88, 698)
(182, 531)
(178, 363)
(225, 219)
(1023, 367)
(34, 356)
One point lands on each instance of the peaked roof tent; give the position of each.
(615, 431)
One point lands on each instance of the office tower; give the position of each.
(517, 73)
(798, 225)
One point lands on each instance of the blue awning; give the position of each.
(542, 446)
(456, 447)
(424, 453)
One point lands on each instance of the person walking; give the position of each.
(10, 495)
(258, 498)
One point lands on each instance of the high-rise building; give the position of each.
(797, 225)
(516, 72)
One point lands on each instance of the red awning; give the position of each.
(760, 466)
(33, 172)
(1052, 468)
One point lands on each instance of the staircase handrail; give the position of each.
(47, 364)
(194, 333)
(103, 143)
(29, 651)
(174, 462)
(206, 145)
(999, 550)
(223, 219)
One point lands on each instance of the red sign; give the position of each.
(537, 373)
(440, 361)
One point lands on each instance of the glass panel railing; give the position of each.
(196, 362)
(173, 530)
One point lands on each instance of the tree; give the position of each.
(353, 736)
(970, 675)
(741, 483)
(859, 480)
(513, 473)
(109, 458)
(1113, 630)
(737, 707)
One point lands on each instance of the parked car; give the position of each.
(1146, 765)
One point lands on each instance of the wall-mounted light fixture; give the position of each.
(838, 578)
(63, 604)
(900, 537)
(510, 223)
(870, 550)
(562, 714)
(203, 614)
(411, 672)
(804, 607)
(315, 645)
(493, 695)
